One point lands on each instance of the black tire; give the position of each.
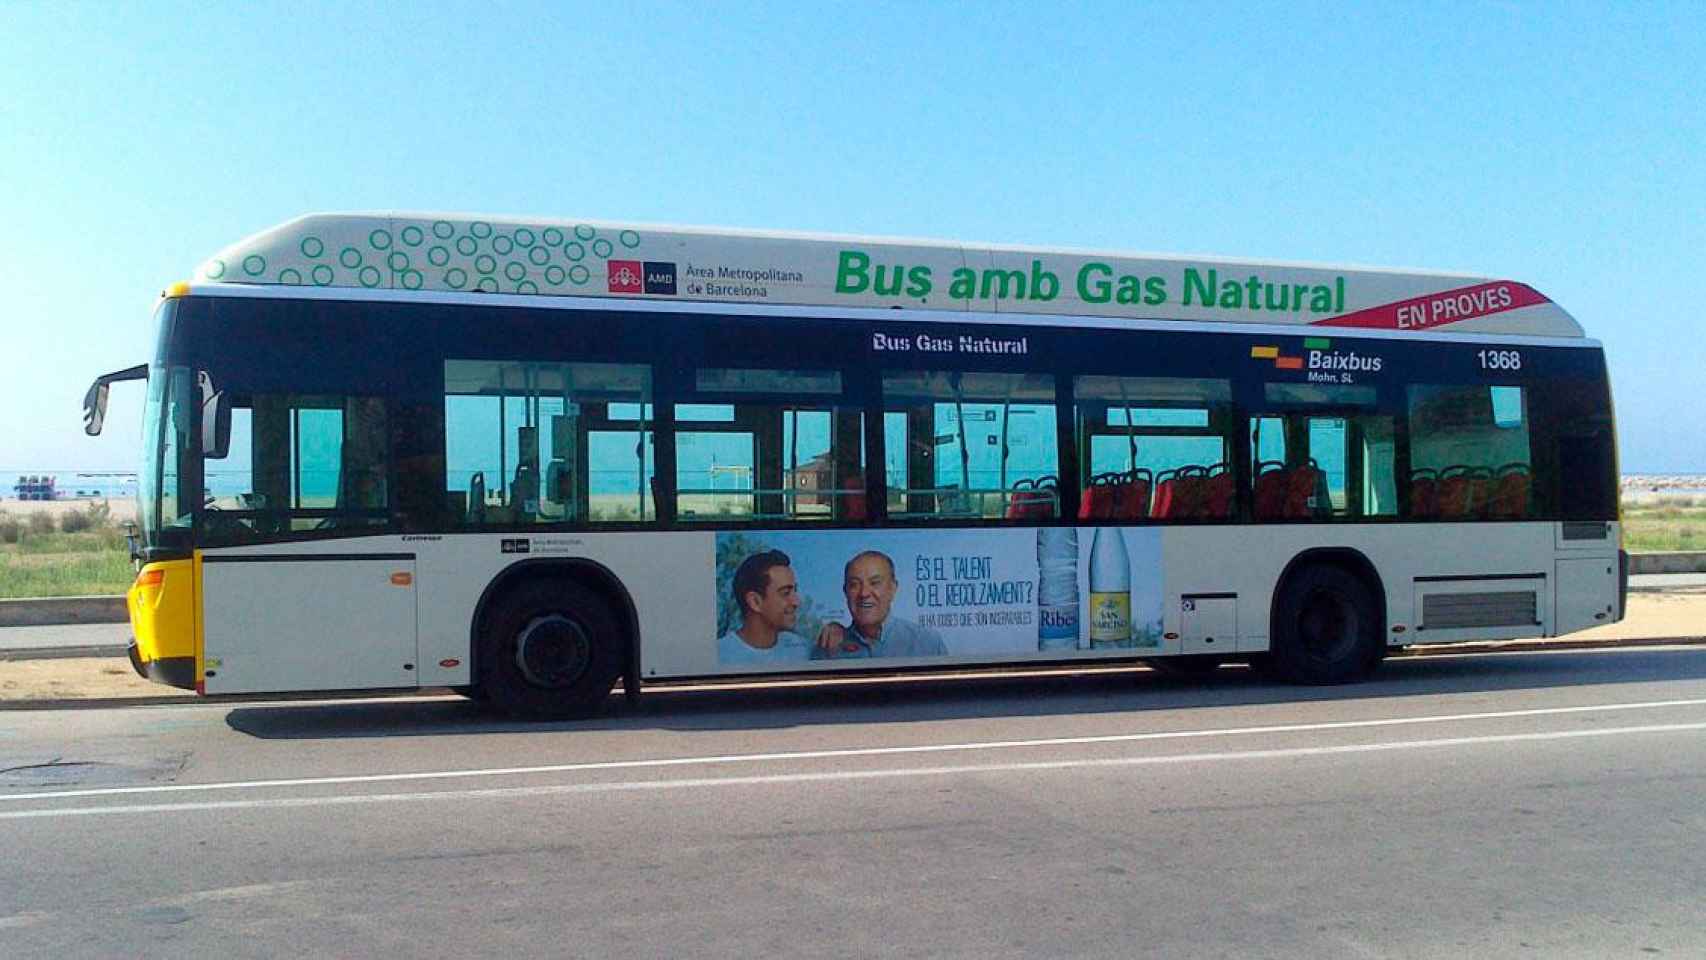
(551, 650)
(1327, 628)
(1193, 666)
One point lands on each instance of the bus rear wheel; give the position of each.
(552, 650)
(1327, 628)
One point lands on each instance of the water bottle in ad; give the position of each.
(1110, 590)
(1057, 588)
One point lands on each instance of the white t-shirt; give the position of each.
(789, 648)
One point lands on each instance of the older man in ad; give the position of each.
(869, 583)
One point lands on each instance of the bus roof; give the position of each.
(453, 252)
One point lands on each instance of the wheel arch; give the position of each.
(589, 572)
(1348, 558)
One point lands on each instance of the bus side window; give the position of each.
(971, 445)
(1322, 452)
(1470, 453)
(299, 464)
(1154, 448)
(546, 443)
(778, 446)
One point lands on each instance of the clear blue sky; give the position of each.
(1562, 145)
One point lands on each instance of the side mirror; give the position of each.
(95, 408)
(95, 401)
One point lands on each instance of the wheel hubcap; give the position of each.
(1328, 626)
(552, 651)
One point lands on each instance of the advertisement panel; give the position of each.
(799, 597)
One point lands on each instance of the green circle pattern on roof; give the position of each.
(336, 255)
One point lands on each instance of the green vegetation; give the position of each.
(1665, 523)
(83, 554)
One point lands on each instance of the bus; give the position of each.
(527, 459)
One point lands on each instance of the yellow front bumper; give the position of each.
(163, 605)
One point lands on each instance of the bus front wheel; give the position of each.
(552, 650)
(1326, 629)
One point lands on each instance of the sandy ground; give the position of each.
(1651, 616)
(122, 510)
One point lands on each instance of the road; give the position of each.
(1488, 805)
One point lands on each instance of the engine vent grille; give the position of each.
(1586, 529)
(1504, 608)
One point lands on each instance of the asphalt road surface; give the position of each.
(1487, 805)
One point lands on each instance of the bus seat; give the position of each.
(1508, 499)
(1480, 482)
(1165, 483)
(1030, 501)
(1218, 491)
(1300, 490)
(1453, 493)
(1190, 493)
(1131, 496)
(1272, 482)
(1424, 493)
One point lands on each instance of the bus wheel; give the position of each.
(1326, 628)
(552, 650)
(1193, 666)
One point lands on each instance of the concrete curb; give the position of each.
(52, 611)
(65, 653)
(1675, 561)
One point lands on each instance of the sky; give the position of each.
(1562, 145)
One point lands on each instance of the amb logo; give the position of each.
(1323, 363)
(635, 276)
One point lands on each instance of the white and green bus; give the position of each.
(527, 459)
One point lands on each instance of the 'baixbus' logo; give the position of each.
(1323, 363)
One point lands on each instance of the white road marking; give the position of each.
(628, 786)
(787, 756)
